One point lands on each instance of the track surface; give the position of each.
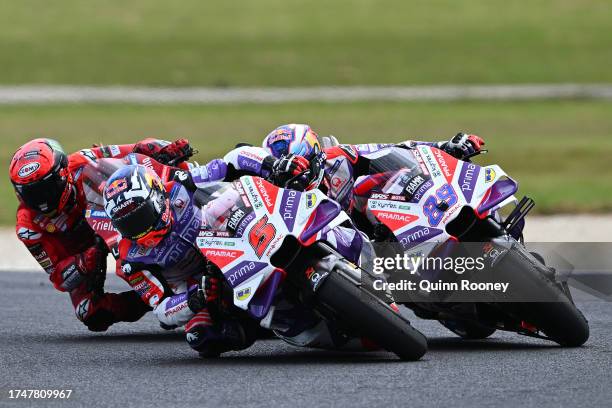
(43, 346)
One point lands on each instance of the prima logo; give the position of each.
(466, 185)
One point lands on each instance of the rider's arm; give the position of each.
(243, 160)
(160, 150)
(65, 272)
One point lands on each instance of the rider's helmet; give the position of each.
(299, 140)
(41, 178)
(137, 203)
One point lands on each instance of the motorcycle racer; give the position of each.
(51, 223)
(160, 223)
(292, 149)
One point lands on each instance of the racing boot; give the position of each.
(212, 340)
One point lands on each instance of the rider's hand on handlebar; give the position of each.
(170, 154)
(289, 166)
(463, 145)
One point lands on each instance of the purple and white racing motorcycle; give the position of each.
(292, 261)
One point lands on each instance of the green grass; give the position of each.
(559, 151)
(305, 42)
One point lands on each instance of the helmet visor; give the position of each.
(139, 221)
(43, 195)
(280, 148)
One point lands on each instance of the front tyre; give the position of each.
(361, 312)
(559, 320)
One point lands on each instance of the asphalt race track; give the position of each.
(43, 346)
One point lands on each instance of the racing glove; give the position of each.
(88, 266)
(207, 292)
(463, 145)
(288, 167)
(170, 154)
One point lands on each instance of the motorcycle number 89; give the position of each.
(445, 194)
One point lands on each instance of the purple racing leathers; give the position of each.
(162, 275)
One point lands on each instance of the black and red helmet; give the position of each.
(40, 175)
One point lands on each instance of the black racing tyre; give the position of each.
(468, 330)
(560, 320)
(363, 313)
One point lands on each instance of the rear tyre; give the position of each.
(363, 313)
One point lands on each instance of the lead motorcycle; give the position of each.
(426, 202)
(421, 202)
(270, 243)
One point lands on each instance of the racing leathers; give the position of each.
(71, 253)
(167, 275)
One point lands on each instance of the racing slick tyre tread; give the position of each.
(561, 321)
(371, 317)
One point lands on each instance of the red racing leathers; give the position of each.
(67, 248)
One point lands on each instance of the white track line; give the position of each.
(19, 95)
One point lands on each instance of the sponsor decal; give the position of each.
(222, 257)
(179, 203)
(51, 228)
(417, 235)
(289, 206)
(268, 192)
(41, 257)
(88, 153)
(243, 294)
(176, 300)
(311, 200)
(116, 187)
(493, 253)
(244, 223)
(114, 150)
(467, 179)
(243, 271)
(413, 184)
(82, 309)
(246, 163)
(182, 176)
(254, 198)
(175, 309)
(430, 161)
(28, 234)
(394, 220)
(447, 163)
(282, 133)
(315, 278)
(489, 175)
(235, 218)
(28, 169)
(102, 225)
(418, 195)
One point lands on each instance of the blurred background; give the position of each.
(560, 150)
